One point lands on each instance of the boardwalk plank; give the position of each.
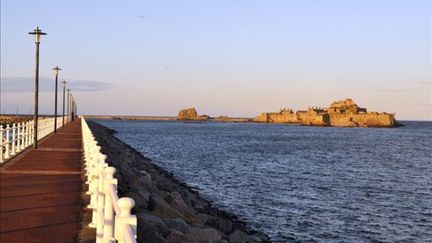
(53, 233)
(40, 190)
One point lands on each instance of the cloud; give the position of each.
(46, 84)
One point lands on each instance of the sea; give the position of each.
(300, 183)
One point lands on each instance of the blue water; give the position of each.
(302, 184)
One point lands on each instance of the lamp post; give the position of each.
(70, 105)
(56, 71)
(37, 33)
(64, 89)
(76, 109)
(68, 100)
(73, 109)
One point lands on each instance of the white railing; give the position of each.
(18, 136)
(111, 216)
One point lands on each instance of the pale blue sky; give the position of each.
(236, 58)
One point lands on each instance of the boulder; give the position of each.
(152, 228)
(222, 224)
(238, 237)
(144, 184)
(204, 234)
(175, 200)
(163, 209)
(141, 200)
(177, 224)
(149, 218)
(146, 234)
(201, 218)
(179, 237)
(145, 177)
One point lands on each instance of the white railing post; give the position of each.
(18, 145)
(93, 190)
(42, 129)
(39, 128)
(2, 143)
(7, 142)
(25, 142)
(111, 216)
(32, 132)
(47, 126)
(28, 133)
(109, 184)
(25, 131)
(125, 219)
(16, 137)
(100, 199)
(13, 139)
(22, 136)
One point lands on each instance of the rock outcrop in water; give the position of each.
(168, 211)
(344, 113)
(190, 114)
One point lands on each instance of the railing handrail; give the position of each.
(111, 215)
(115, 198)
(15, 137)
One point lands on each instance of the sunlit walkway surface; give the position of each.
(40, 190)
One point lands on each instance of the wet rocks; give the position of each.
(176, 201)
(204, 234)
(179, 237)
(223, 225)
(177, 224)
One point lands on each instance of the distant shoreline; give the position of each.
(163, 118)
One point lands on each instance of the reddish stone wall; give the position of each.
(363, 120)
(313, 119)
(281, 117)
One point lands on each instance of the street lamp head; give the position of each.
(64, 82)
(37, 33)
(56, 70)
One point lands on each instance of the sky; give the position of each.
(236, 58)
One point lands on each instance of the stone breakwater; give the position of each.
(167, 209)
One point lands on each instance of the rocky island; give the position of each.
(190, 114)
(344, 113)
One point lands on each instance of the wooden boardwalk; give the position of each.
(40, 190)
